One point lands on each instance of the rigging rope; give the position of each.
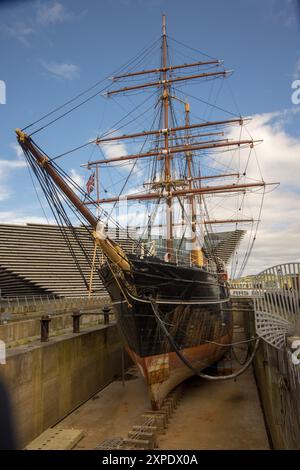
(247, 255)
(119, 70)
(185, 93)
(109, 133)
(191, 48)
(146, 52)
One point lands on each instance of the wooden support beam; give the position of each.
(176, 149)
(170, 130)
(167, 69)
(184, 192)
(168, 81)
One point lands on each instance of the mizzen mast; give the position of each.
(196, 252)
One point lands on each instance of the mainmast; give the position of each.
(165, 98)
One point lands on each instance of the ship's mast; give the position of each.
(98, 189)
(165, 98)
(169, 186)
(196, 251)
(189, 172)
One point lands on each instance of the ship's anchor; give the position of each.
(198, 372)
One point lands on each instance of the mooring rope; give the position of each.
(188, 364)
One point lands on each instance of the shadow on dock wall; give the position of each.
(279, 392)
(47, 381)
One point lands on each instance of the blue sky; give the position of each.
(52, 50)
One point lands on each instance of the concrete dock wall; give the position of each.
(16, 333)
(49, 380)
(278, 382)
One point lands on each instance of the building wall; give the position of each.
(35, 259)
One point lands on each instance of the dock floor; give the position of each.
(211, 415)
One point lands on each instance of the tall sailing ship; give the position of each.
(170, 293)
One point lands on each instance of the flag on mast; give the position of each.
(90, 185)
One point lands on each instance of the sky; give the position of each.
(52, 50)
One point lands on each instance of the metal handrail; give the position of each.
(277, 309)
(23, 304)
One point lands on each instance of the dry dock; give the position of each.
(210, 415)
(67, 391)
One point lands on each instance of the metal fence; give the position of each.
(277, 307)
(277, 364)
(30, 304)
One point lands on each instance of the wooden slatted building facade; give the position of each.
(36, 260)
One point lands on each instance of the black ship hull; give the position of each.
(193, 305)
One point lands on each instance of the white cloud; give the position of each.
(77, 177)
(296, 73)
(283, 12)
(18, 149)
(19, 31)
(4, 192)
(6, 167)
(42, 16)
(14, 217)
(63, 70)
(113, 150)
(117, 149)
(49, 14)
(278, 156)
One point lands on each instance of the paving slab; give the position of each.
(56, 439)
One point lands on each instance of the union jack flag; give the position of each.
(90, 185)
